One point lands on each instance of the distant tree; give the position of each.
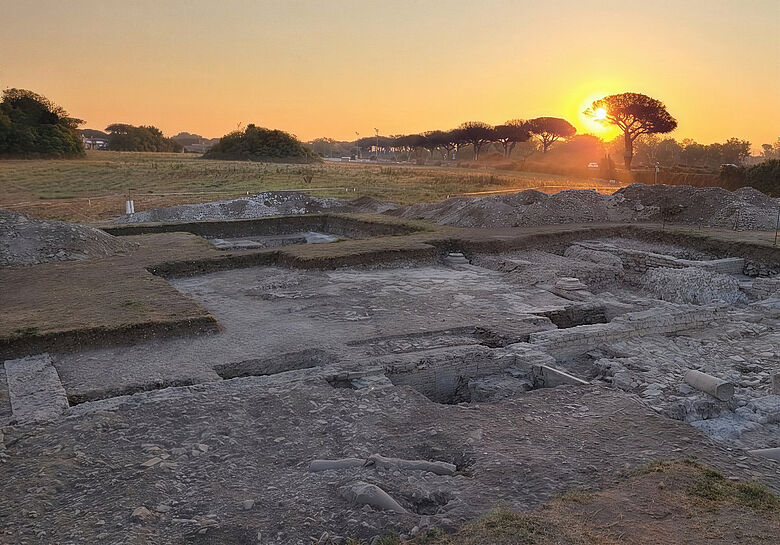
(668, 152)
(187, 139)
(260, 144)
(125, 137)
(771, 151)
(646, 147)
(765, 177)
(31, 126)
(523, 151)
(635, 114)
(693, 153)
(436, 140)
(551, 129)
(578, 151)
(511, 133)
(452, 142)
(372, 142)
(93, 133)
(734, 151)
(328, 147)
(477, 134)
(408, 143)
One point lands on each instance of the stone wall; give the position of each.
(443, 374)
(657, 321)
(641, 261)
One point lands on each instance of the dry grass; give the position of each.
(95, 188)
(666, 502)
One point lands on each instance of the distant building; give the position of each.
(194, 143)
(94, 143)
(93, 139)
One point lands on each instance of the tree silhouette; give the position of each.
(32, 126)
(408, 143)
(510, 133)
(452, 142)
(434, 140)
(551, 129)
(635, 114)
(477, 134)
(124, 137)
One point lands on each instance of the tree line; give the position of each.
(124, 137)
(31, 127)
(476, 134)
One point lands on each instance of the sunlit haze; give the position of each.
(337, 68)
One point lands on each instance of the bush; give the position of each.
(125, 137)
(261, 144)
(765, 177)
(31, 127)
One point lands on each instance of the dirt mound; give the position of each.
(744, 209)
(369, 205)
(269, 203)
(518, 209)
(28, 241)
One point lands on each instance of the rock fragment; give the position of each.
(363, 493)
(142, 515)
(717, 388)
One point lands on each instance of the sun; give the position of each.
(600, 114)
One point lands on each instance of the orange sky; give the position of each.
(335, 67)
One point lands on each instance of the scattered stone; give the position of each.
(439, 468)
(151, 462)
(343, 463)
(142, 515)
(717, 388)
(362, 493)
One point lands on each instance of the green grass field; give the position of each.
(95, 187)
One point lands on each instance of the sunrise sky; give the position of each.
(331, 68)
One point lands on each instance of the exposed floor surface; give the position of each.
(263, 309)
(196, 458)
(433, 389)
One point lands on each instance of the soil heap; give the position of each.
(269, 203)
(744, 209)
(27, 241)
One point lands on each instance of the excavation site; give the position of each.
(341, 371)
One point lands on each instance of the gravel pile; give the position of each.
(529, 207)
(744, 209)
(269, 203)
(692, 285)
(28, 241)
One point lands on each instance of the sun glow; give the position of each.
(600, 114)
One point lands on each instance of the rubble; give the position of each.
(744, 209)
(693, 285)
(357, 401)
(268, 203)
(28, 241)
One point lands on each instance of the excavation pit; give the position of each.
(313, 227)
(273, 241)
